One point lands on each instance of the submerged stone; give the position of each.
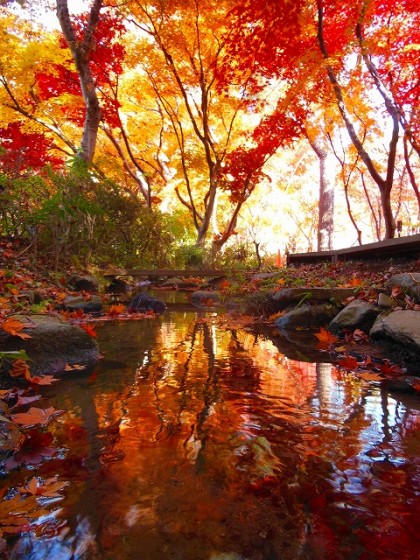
(307, 316)
(141, 303)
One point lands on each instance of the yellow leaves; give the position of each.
(14, 327)
(412, 47)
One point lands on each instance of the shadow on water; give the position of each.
(196, 442)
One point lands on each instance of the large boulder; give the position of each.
(400, 327)
(408, 282)
(141, 303)
(307, 316)
(358, 314)
(287, 296)
(91, 304)
(54, 343)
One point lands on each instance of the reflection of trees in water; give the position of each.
(240, 451)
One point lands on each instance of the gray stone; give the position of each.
(402, 327)
(141, 303)
(80, 282)
(358, 314)
(54, 343)
(264, 276)
(118, 286)
(385, 301)
(409, 282)
(88, 305)
(179, 284)
(288, 296)
(205, 298)
(308, 316)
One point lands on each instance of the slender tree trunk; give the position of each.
(384, 185)
(81, 51)
(326, 195)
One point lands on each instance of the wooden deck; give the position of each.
(390, 248)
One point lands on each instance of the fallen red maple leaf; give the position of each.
(89, 329)
(348, 362)
(390, 369)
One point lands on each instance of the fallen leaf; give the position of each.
(325, 338)
(14, 327)
(275, 316)
(90, 329)
(48, 488)
(369, 376)
(116, 310)
(36, 416)
(74, 367)
(20, 369)
(348, 362)
(43, 380)
(390, 369)
(33, 450)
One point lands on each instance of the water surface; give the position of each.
(195, 442)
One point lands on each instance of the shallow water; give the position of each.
(196, 442)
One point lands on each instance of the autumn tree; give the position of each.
(325, 50)
(182, 44)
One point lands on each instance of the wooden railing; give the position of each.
(400, 246)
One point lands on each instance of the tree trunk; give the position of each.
(384, 185)
(81, 51)
(326, 195)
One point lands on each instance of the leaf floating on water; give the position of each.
(348, 363)
(325, 338)
(36, 416)
(48, 488)
(43, 380)
(74, 367)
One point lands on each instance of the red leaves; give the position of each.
(90, 329)
(23, 150)
(348, 362)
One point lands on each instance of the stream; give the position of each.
(199, 440)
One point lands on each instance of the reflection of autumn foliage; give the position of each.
(213, 435)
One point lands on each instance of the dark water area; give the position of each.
(197, 440)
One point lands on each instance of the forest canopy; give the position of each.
(171, 132)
